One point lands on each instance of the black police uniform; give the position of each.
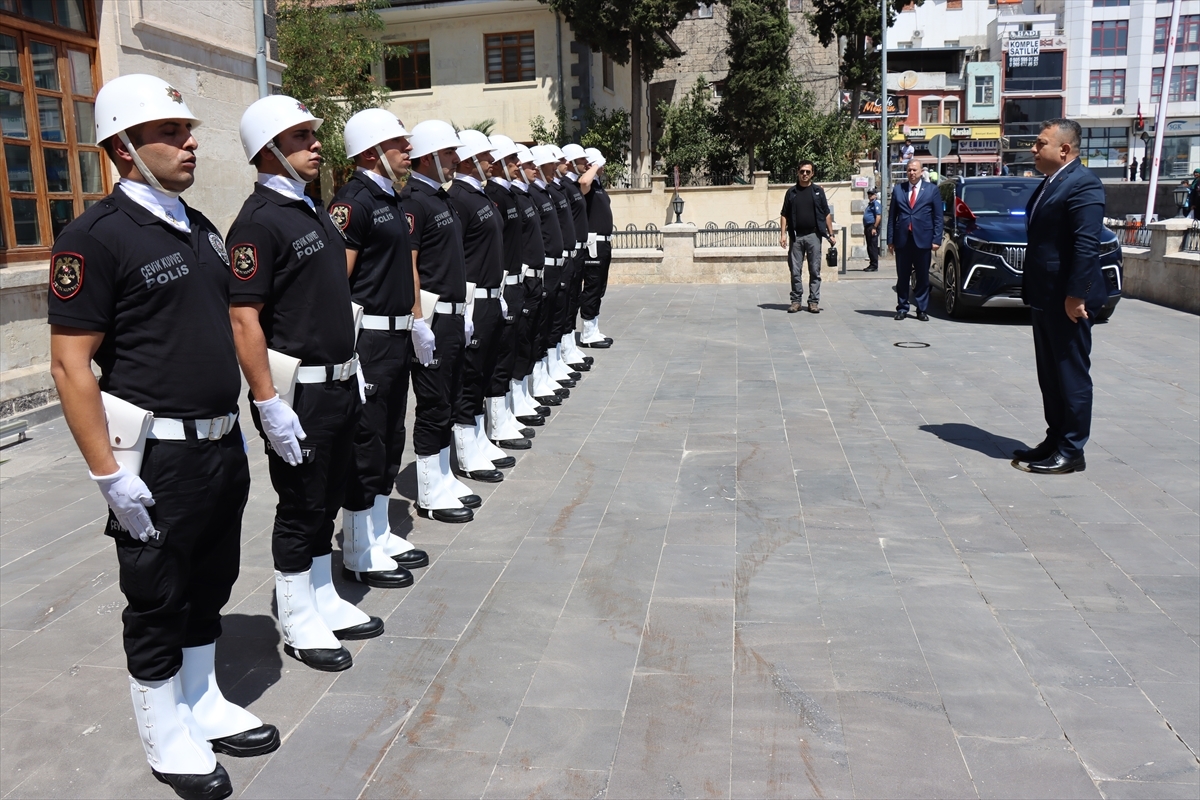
(566, 224)
(533, 256)
(291, 258)
(514, 293)
(595, 270)
(552, 250)
(579, 221)
(372, 222)
(161, 298)
(436, 236)
(483, 256)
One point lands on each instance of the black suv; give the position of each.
(980, 261)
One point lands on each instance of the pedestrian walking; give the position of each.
(804, 220)
(914, 234)
(871, 215)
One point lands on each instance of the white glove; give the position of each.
(128, 496)
(282, 427)
(503, 305)
(422, 341)
(469, 325)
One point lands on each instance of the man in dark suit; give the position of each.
(1064, 286)
(914, 233)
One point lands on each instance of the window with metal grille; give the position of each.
(1106, 87)
(1110, 37)
(510, 57)
(51, 168)
(1183, 84)
(1187, 35)
(402, 73)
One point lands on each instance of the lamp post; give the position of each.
(677, 205)
(1181, 196)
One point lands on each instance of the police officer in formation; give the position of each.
(598, 255)
(140, 284)
(472, 294)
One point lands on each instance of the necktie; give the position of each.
(912, 201)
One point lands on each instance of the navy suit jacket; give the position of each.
(1063, 255)
(925, 217)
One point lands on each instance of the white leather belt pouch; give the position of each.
(283, 374)
(127, 429)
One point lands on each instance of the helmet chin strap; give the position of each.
(147, 175)
(387, 167)
(504, 166)
(286, 164)
(437, 162)
(479, 169)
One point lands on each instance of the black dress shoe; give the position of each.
(367, 630)
(1058, 464)
(471, 501)
(446, 514)
(566, 384)
(484, 475)
(412, 559)
(548, 400)
(581, 367)
(900, 315)
(256, 742)
(562, 394)
(601, 345)
(922, 316)
(871, 269)
(575, 376)
(536, 420)
(512, 444)
(213, 786)
(544, 411)
(332, 659)
(396, 578)
(530, 433)
(589, 360)
(507, 462)
(1039, 453)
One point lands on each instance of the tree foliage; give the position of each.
(626, 28)
(760, 36)
(607, 131)
(328, 55)
(832, 140)
(694, 138)
(858, 21)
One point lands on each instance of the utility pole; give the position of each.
(1160, 119)
(885, 168)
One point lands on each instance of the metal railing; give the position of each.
(1130, 234)
(633, 239)
(631, 181)
(733, 235)
(1191, 238)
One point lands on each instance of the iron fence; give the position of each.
(633, 239)
(734, 235)
(631, 181)
(1131, 234)
(1191, 238)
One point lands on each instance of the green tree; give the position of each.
(608, 132)
(760, 35)
(626, 29)
(328, 55)
(544, 132)
(859, 22)
(694, 139)
(831, 140)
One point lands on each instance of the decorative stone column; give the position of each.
(679, 247)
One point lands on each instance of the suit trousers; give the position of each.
(311, 493)
(805, 248)
(379, 438)
(479, 361)
(528, 328)
(176, 585)
(506, 353)
(1064, 358)
(436, 387)
(909, 257)
(595, 280)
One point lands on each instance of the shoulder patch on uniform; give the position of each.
(412, 222)
(245, 261)
(66, 275)
(340, 214)
(218, 244)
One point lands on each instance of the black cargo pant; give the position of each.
(562, 305)
(177, 584)
(575, 288)
(436, 387)
(506, 353)
(595, 280)
(479, 360)
(528, 327)
(550, 291)
(379, 438)
(311, 493)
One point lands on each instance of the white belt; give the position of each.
(487, 294)
(450, 308)
(536, 273)
(558, 262)
(550, 262)
(581, 246)
(332, 372)
(175, 429)
(512, 280)
(603, 238)
(393, 324)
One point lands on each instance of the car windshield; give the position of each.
(998, 197)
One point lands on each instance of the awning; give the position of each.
(970, 158)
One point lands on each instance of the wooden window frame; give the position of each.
(25, 30)
(488, 47)
(412, 56)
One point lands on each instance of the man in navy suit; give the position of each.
(914, 233)
(1064, 286)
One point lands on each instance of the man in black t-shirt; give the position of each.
(139, 284)
(383, 280)
(294, 330)
(804, 221)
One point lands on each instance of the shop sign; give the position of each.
(916, 134)
(960, 133)
(979, 146)
(1024, 47)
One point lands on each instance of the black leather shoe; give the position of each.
(536, 420)
(567, 384)
(1039, 453)
(213, 786)
(563, 393)
(900, 315)
(544, 411)
(574, 375)
(508, 462)
(1058, 464)
(368, 630)
(530, 433)
(485, 475)
(256, 742)
(396, 578)
(412, 559)
(589, 360)
(512, 444)
(548, 400)
(581, 367)
(602, 345)
(325, 659)
(871, 269)
(446, 514)
(922, 316)
(471, 501)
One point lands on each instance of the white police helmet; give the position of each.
(474, 143)
(432, 135)
(594, 156)
(267, 118)
(368, 128)
(502, 148)
(543, 154)
(524, 154)
(572, 152)
(131, 100)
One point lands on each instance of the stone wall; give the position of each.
(1162, 273)
(680, 261)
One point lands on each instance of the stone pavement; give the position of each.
(754, 555)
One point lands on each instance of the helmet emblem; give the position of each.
(302, 107)
(174, 94)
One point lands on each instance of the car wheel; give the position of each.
(951, 299)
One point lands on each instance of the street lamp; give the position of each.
(1181, 195)
(677, 204)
